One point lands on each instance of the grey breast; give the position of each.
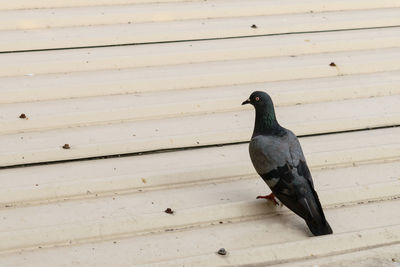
(269, 152)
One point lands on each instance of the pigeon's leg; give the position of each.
(270, 197)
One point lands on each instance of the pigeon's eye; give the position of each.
(257, 98)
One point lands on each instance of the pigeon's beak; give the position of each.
(247, 101)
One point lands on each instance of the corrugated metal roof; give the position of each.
(122, 81)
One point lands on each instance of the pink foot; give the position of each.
(270, 197)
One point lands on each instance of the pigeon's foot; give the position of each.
(270, 197)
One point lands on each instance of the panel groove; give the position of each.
(195, 29)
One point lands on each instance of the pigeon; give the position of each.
(278, 158)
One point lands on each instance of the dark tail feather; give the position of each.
(321, 225)
(319, 228)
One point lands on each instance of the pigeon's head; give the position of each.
(260, 100)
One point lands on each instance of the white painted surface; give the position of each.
(117, 34)
(33, 4)
(253, 240)
(210, 129)
(114, 110)
(175, 11)
(133, 56)
(135, 98)
(200, 75)
(175, 169)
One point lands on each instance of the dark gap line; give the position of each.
(166, 150)
(195, 40)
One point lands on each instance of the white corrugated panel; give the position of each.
(331, 67)
(117, 34)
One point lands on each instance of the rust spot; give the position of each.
(254, 26)
(169, 211)
(332, 64)
(22, 116)
(144, 180)
(66, 146)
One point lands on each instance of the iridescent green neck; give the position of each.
(266, 123)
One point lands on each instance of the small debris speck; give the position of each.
(254, 26)
(115, 242)
(66, 146)
(169, 211)
(222, 251)
(144, 180)
(22, 116)
(36, 184)
(221, 222)
(332, 64)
